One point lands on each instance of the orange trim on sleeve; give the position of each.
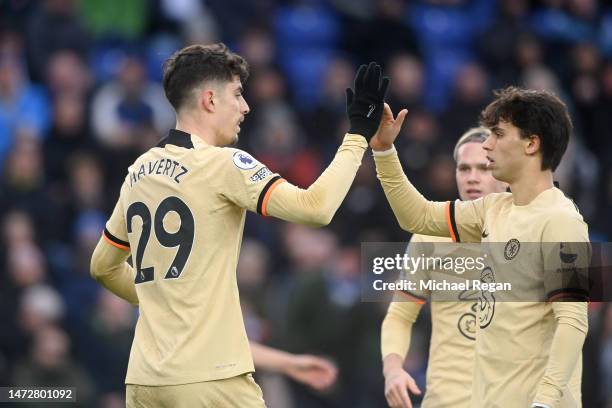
(412, 298)
(264, 204)
(449, 223)
(123, 247)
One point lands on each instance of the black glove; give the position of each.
(365, 106)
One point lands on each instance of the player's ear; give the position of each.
(207, 99)
(532, 144)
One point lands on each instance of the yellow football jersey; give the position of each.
(515, 340)
(451, 350)
(181, 213)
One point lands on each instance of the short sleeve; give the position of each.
(247, 182)
(115, 231)
(566, 253)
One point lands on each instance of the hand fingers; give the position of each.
(370, 80)
(413, 387)
(349, 96)
(383, 88)
(360, 77)
(387, 114)
(404, 398)
(399, 121)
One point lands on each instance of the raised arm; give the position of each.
(414, 212)
(317, 204)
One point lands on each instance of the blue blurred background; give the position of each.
(80, 99)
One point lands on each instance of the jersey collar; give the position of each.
(177, 138)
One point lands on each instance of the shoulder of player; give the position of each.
(497, 199)
(428, 238)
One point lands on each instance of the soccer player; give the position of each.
(451, 352)
(181, 213)
(527, 353)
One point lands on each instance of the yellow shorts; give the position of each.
(241, 392)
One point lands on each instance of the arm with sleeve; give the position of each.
(571, 317)
(396, 328)
(460, 220)
(108, 262)
(314, 206)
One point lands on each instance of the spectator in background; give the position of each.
(470, 94)
(49, 364)
(54, 26)
(325, 314)
(129, 114)
(408, 82)
(24, 110)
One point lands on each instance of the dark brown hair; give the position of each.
(533, 112)
(194, 64)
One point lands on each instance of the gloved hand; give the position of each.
(365, 105)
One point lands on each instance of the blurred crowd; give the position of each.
(80, 99)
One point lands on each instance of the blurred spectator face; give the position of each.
(26, 265)
(585, 89)
(132, 76)
(583, 8)
(391, 9)
(69, 115)
(115, 313)
(471, 84)
(528, 51)
(86, 181)
(442, 175)
(541, 79)
(267, 86)
(18, 228)
(257, 47)
(253, 264)
(586, 58)
(24, 167)
(40, 306)
(11, 75)
(514, 8)
(66, 73)
(421, 127)
(408, 77)
(309, 248)
(339, 76)
(50, 348)
(61, 7)
(474, 178)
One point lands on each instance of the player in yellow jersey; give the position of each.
(451, 351)
(527, 353)
(181, 213)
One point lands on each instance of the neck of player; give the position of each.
(527, 188)
(196, 126)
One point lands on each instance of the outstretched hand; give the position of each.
(388, 130)
(364, 104)
(313, 371)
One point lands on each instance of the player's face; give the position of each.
(232, 109)
(474, 178)
(505, 151)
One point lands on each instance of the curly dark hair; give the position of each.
(539, 113)
(194, 64)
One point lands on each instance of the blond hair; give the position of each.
(473, 135)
